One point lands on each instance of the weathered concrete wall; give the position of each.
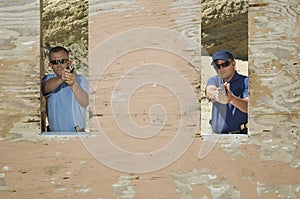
(20, 68)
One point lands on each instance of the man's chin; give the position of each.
(222, 75)
(58, 75)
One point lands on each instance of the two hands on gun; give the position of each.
(68, 75)
(219, 94)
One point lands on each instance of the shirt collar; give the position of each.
(235, 77)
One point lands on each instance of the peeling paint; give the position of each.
(84, 190)
(2, 182)
(219, 188)
(59, 189)
(279, 144)
(232, 145)
(282, 190)
(123, 189)
(275, 146)
(6, 168)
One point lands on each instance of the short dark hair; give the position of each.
(57, 49)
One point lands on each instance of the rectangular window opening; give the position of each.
(63, 30)
(228, 29)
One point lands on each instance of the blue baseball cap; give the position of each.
(222, 55)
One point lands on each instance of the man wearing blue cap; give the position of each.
(229, 93)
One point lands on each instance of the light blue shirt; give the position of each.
(63, 110)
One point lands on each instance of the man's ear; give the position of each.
(50, 65)
(234, 64)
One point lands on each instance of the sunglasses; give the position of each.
(224, 64)
(55, 62)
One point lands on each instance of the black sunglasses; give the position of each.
(224, 64)
(55, 62)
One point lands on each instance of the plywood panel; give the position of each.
(20, 68)
(263, 165)
(274, 57)
(111, 21)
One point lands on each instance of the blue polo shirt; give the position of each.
(63, 110)
(226, 117)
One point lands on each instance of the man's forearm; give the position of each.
(241, 104)
(52, 84)
(81, 96)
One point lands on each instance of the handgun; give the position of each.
(224, 89)
(70, 68)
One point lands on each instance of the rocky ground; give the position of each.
(225, 26)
